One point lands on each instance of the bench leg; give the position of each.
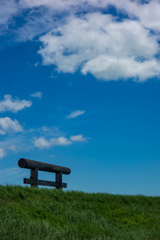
(34, 176)
(59, 180)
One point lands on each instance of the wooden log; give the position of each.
(31, 164)
(44, 183)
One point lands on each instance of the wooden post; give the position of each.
(59, 180)
(34, 177)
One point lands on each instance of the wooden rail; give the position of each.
(34, 166)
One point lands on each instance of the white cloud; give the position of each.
(62, 5)
(37, 94)
(147, 13)
(61, 141)
(13, 105)
(113, 69)
(17, 142)
(44, 143)
(9, 125)
(13, 148)
(75, 114)
(78, 138)
(41, 13)
(46, 129)
(8, 9)
(99, 44)
(41, 143)
(22, 141)
(10, 173)
(81, 5)
(2, 152)
(96, 43)
(36, 64)
(37, 23)
(2, 132)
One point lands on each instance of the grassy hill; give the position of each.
(32, 214)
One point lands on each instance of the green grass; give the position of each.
(45, 214)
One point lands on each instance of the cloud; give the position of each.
(27, 140)
(2, 152)
(61, 141)
(46, 129)
(78, 138)
(13, 105)
(43, 143)
(36, 94)
(96, 43)
(114, 69)
(8, 9)
(22, 141)
(61, 5)
(147, 13)
(99, 44)
(36, 64)
(2, 132)
(10, 173)
(37, 22)
(41, 15)
(75, 114)
(9, 125)
(73, 6)
(13, 148)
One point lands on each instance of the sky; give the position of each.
(80, 88)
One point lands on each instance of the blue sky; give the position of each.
(80, 88)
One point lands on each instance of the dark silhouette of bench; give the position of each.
(34, 166)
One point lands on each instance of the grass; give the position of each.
(45, 214)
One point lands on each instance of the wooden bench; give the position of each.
(34, 166)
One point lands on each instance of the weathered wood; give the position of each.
(34, 166)
(44, 183)
(59, 180)
(31, 164)
(34, 177)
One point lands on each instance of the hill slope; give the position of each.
(32, 213)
